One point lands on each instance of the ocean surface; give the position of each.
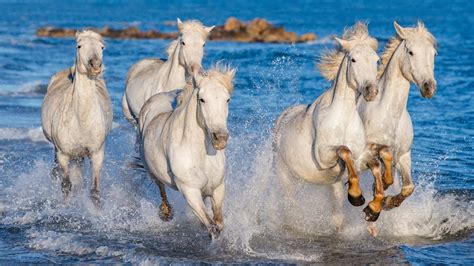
(435, 225)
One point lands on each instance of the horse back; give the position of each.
(144, 66)
(158, 104)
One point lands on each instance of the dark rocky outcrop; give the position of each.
(257, 30)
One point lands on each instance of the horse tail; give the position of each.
(126, 111)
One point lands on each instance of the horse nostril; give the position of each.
(220, 136)
(95, 63)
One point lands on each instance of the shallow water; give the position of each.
(435, 225)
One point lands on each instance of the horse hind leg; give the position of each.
(386, 156)
(391, 202)
(338, 204)
(373, 209)
(166, 211)
(66, 185)
(97, 159)
(354, 192)
(75, 172)
(56, 171)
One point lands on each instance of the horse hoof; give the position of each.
(389, 203)
(372, 230)
(370, 215)
(214, 232)
(96, 200)
(166, 213)
(356, 201)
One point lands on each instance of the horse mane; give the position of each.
(420, 31)
(171, 47)
(191, 26)
(217, 72)
(331, 60)
(89, 34)
(220, 72)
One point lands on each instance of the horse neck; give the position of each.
(394, 87)
(173, 74)
(187, 117)
(342, 92)
(83, 89)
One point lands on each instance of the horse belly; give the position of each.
(295, 153)
(404, 135)
(154, 154)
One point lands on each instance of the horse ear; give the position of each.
(180, 24)
(209, 29)
(401, 32)
(77, 33)
(343, 43)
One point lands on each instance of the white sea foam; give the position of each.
(31, 134)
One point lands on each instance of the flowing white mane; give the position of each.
(330, 61)
(88, 34)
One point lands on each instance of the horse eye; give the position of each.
(353, 60)
(204, 44)
(410, 53)
(228, 100)
(102, 47)
(78, 47)
(182, 43)
(202, 100)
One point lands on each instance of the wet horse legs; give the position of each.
(386, 156)
(373, 209)
(354, 192)
(404, 163)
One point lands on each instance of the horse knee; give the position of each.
(386, 154)
(375, 165)
(408, 190)
(344, 152)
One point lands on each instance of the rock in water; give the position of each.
(257, 30)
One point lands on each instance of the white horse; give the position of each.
(77, 113)
(314, 142)
(183, 147)
(152, 75)
(408, 58)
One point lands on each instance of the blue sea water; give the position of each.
(435, 225)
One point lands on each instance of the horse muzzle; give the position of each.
(219, 140)
(428, 89)
(370, 91)
(194, 69)
(95, 67)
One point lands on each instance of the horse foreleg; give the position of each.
(387, 157)
(217, 199)
(66, 184)
(354, 193)
(373, 209)
(194, 198)
(166, 211)
(75, 172)
(97, 159)
(338, 203)
(404, 163)
(56, 169)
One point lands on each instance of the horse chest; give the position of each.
(82, 132)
